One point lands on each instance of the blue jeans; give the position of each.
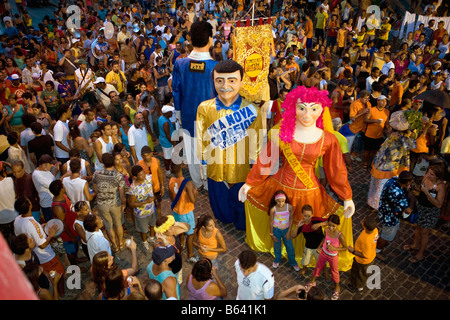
(281, 235)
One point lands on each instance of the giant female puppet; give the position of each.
(300, 142)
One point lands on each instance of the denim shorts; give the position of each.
(388, 233)
(142, 223)
(188, 218)
(70, 247)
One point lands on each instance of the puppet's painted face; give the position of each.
(308, 112)
(227, 85)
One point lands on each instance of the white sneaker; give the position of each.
(193, 259)
(151, 240)
(146, 245)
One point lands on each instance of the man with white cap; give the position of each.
(166, 128)
(102, 90)
(17, 87)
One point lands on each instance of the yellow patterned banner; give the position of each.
(253, 48)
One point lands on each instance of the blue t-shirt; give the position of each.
(165, 143)
(102, 14)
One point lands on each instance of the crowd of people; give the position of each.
(85, 110)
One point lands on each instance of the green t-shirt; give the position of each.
(51, 106)
(320, 20)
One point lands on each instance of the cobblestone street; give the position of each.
(400, 280)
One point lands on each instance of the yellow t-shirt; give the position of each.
(387, 27)
(445, 146)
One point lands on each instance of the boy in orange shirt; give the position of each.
(183, 210)
(152, 165)
(364, 253)
(377, 120)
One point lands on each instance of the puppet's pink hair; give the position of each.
(290, 104)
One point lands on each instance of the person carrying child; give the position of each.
(281, 219)
(329, 251)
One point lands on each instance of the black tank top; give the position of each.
(423, 199)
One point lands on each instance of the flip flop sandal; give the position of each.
(335, 296)
(414, 260)
(309, 286)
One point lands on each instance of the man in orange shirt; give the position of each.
(358, 109)
(376, 121)
(309, 29)
(364, 253)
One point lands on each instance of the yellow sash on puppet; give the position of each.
(253, 48)
(295, 165)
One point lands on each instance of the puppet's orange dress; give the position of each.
(265, 185)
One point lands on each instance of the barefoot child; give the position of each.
(329, 251)
(281, 218)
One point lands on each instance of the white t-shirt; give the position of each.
(7, 198)
(97, 242)
(137, 138)
(214, 24)
(386, 67)
(60, 133)
(258, 285)
(74, 189)
(83, 78)
(33, 229)
(42, 180)
(104, 97)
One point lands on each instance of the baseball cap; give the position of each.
(99, 80)
(344, 82)
(15, 76)
(167, 108)
(160, 254)
(382, 97)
